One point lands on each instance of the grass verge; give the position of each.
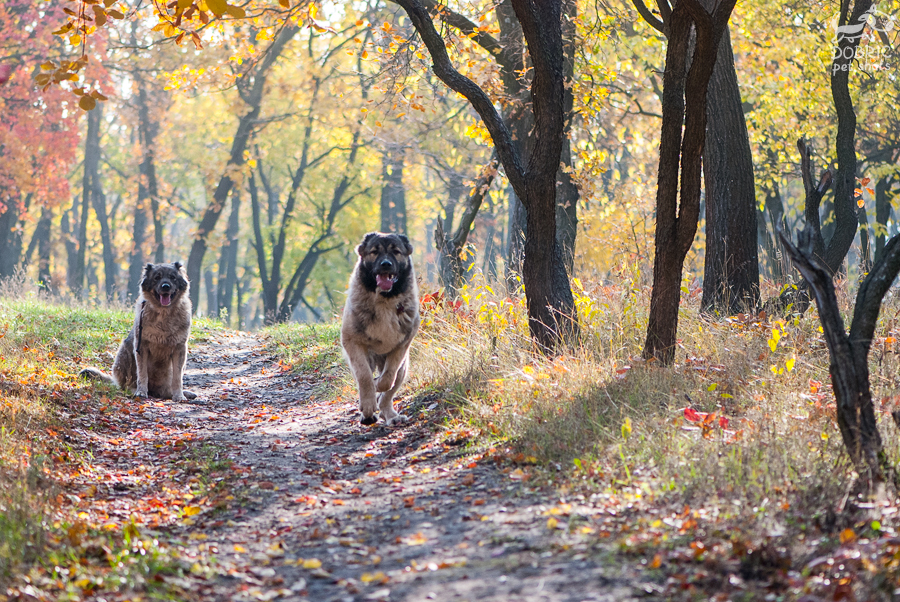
(56, 535)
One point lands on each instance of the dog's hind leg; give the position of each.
(386, 399)
(141, 362)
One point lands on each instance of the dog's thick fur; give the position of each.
(151, 359)
(380, 319)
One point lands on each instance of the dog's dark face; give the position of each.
(164, 283)
(384, 263)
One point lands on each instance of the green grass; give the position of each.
(306, 347)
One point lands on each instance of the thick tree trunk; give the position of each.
(40, 241)
(684, 104)
(228, 259)
(148, 193)
(393, 193)
(731, 272)
(11, 236)
(566, 190)
(91, 166)
(98, 200)
(251, 87)
(551, 307)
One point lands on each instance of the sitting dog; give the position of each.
(151, 359)
(380, 319)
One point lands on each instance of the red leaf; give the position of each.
(692, 415)
(723, 422)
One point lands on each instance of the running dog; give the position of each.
(151, 359)
(380, 319)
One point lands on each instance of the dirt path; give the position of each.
(326, 509)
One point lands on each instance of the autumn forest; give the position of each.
(655, 243)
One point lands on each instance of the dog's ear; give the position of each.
(360, 250)
(407, 247)
(177, 265)
(181, 269)
(147, 269)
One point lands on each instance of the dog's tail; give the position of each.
(96, 374)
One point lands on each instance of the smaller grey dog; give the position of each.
(150, 361)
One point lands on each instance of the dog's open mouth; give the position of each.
(165, 299)
(385, 282)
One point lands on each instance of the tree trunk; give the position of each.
(566, 190)
(515, 243)
(91, 166)
(882, 212)
(43, 234)
(684, 104)
(393, 193)
(452, 268)
(228, 259)
(251, 87)
(775, 212)
(849, 353)
(40, 240)
(551, 307)
(731, 271)
(68, 226)
(148, 193)
(11, 236)
(209, 283)
(98, 200)
(845, 209)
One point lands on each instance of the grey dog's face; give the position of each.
(164, 283)
(384, 263)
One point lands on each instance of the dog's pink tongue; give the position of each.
(164, 300)
(383, 282)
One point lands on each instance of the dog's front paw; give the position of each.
(178, 396)
(368, 420)
(141, 393)
(395, 419)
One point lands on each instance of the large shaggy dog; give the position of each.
(380, 319)
(151, 359)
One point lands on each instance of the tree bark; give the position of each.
(845, 209)
(684, 104)
(731, 269)
(91, 166)
(148, 191)
(393, 193)
(251, 87)
(566, 191)
(11, 236)
(98, 201)
(228, 259)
